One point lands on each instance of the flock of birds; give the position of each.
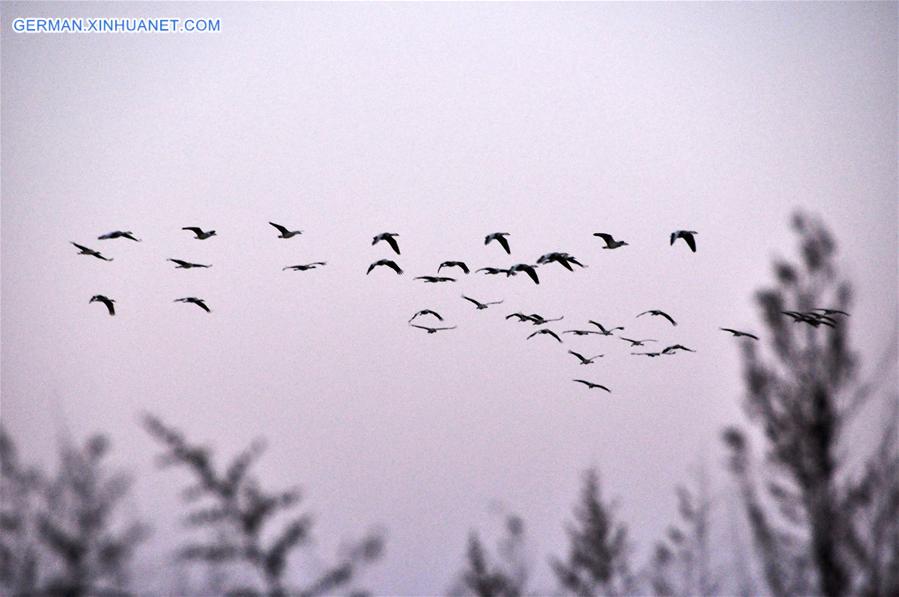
(816, 317)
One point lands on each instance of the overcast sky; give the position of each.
(442, 123)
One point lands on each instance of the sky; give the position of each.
(443, 123)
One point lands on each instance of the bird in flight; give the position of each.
(545, 331)
(687, 235)
(671, 349)
(563, 259)
(434, 279)
(200, 234)
(530, 270)
(811, 318)
(186, 264)
(829, 312)
(611, 243)
(593, 386)
(431, 330)
(738, 333)
(492, 271)
(637, 342)
(197, 301)
(648, 354)
(389, 238)
(603, 330)
(585, 360)
(118, 234)
(499, 237)
(424, 312)
(82, 250)
(460, 264)
(538, 319)
(657, 313)
(478, 304)
(387, 262)
(581, 332)
(99, 298)
(284, 232)
(304, 267)
(521, 317)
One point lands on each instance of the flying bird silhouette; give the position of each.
(521, 317)
(499, 237)
(200, 234)
(563, 259)
(585, 360)
(738, 333)
(687, 235)
(611, 243)
(538, 319)
(493, 271)
(424, 312)
(648, 354)
(431, 330)
(386, 262)
(105, 300)
(186, 264)
(811, 318)
(671, 349)
(546, 331)
(284, 232)
(460, 264)
(530, 270)
(82, 250)
(479, 305)
(304, 267)
(196, 301)
(657, 313)
(434, 279)
(603, 330)
(582, 332)
(593, 386)
(387, 237)
(118, 234)
(637, 342)
(831, 312)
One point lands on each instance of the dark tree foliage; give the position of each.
(60, 534)
(818, 526)
(505, 577)
(681, 562)
(238, 513)
(599, 551)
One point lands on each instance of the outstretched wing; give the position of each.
(505, 244)
(280, 228)
(421, 327)
(691, 242)
(579, 356)
(666, 316)
(202, 305)
(606, 237)
(551, 333)
(393, 244)
(193, 229)
(530, 271)
(393, 265)
(474, 302)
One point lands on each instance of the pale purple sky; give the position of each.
(442, 122)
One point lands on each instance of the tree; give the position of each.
(816, 525)
(236, 513)
(507, 577)
(60, 533)
(599, 549)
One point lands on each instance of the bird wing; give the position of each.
(530, 271)
(194, 229)
(599, 356)
(644, 313)
(392, 265)
(606, 237)
(579, 356)
(179, 262)
(494, 303)
(82, 247)
(602, 387)
(505, 243)
(583, 381)
(200, 303)
(393, 244)
(431, 312)
(599, 325)
(674, 236)
(280, 228)
(421, 327)
(463, 267)
(691, 242)
(370, 267)
(476, 303)
(551, 333)
(109, 305)
(666, 316)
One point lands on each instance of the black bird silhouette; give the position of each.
(813, 319)
(460, 264)
(738, 333)
(304, 267)
(637, 342)
(431, 330)
(499, 237)
(585, 360)
(493, 271)
(285, 233)
(196, 301)
(118, 234)
(426, 312)
(831, 312)
(82, 250)
(592, 385)
(611, 243)
(434, 279)
(479, 305)
(647, 354)
(105, 300)
(388, 262)
(545, 331)
(671, 349)
(200, 234)
(657, 313)
(521, 317)
(186, 264)
(563, 259)
(530, 270)
(582, 332)
(387, 237)
(603, 330)
(538, 319)
(687, 235)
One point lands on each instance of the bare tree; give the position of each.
(236, 512)
(61, 534)
(816, 525)
(598, 558)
